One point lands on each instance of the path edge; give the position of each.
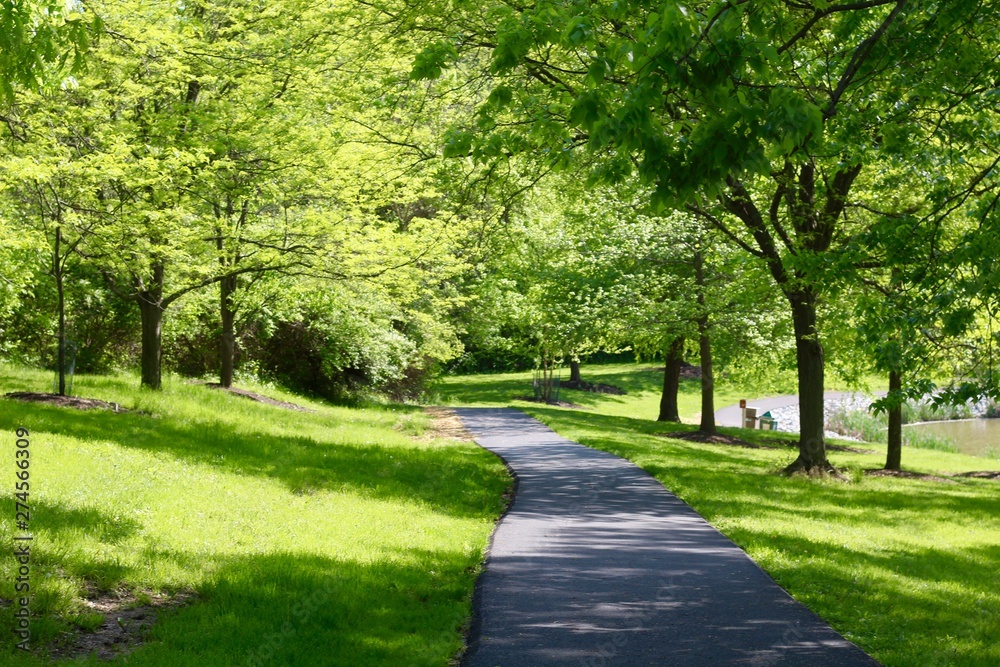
(474, 629)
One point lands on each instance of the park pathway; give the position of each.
(596, 564)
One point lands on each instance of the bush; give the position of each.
(859, 424)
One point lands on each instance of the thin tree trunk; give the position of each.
(574, 372)
(894, 456)
(809, 356)
(705, 348)
(227, 286)
(671, 382)
(707, 382)
(58, 275)
(151, 313)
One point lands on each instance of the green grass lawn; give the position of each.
(334, 537)
(643, 383)
(905, 568)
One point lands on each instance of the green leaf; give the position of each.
(431, 62)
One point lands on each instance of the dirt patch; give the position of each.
(445, 425)
(260, 398)
(125, 626)
(597, 388)
(66, 401)
(561, 404)
(981, 474)
(711, 438)
(906, 474)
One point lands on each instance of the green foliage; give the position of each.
(39, 38)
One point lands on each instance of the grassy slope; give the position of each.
(331, 538)
(905, 568)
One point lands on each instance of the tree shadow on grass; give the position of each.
(53, 567)
(449, 478)
(900, 594)
(743, 474)
(297, 609)
(942, 591)
(300, 609)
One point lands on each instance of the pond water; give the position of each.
(971, 436)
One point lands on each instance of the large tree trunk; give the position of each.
(809, 355)
(671, 382)
(151, 313)
(57, 273)
(227, 287)
(574, 372)
(705, 349)
(893, 458)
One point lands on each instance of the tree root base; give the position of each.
(824, 468)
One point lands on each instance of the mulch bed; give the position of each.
(833, 448)
(906, 474)
(688, 371)
(597, 388)
(982, 474)
(254, 396)
(65, 401)
(561, 404)
(845, 448)
(710, 438)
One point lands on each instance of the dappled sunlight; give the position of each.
(255, 508)
(874, 557)
(595, 551)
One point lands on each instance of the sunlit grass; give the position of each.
(903, 567)
(333, 537)
(642, 381)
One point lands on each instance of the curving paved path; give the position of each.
(596, 564)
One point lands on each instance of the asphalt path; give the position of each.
(596, 564)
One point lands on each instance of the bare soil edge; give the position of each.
(77, 402)
(127, 621)
(594, 387)
(907, 474)
(561, 404)
(260, 398)
(446, 424)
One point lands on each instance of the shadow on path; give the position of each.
(596, 564)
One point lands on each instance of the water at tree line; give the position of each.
(972, 436)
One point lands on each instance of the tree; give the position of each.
(758, 117)
(185, 101)
(38, 38)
